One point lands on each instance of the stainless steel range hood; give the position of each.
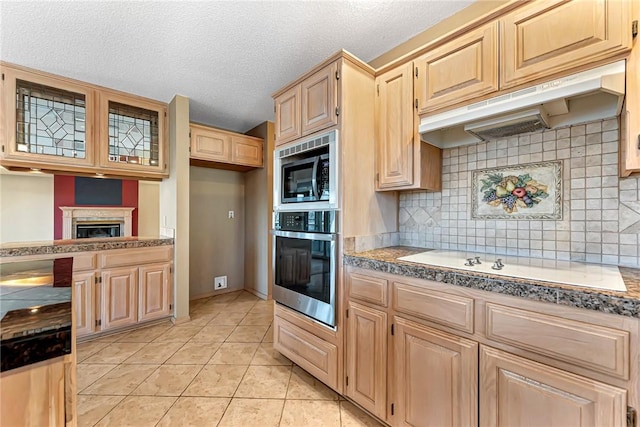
(590, 95)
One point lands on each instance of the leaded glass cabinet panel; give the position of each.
(132, 133)
(46, 120)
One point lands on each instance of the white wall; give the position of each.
(216, 242)
(148, 208)
(26, 207)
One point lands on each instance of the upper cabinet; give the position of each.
(462, 69)
(545, 38)
(535, 41)
(45, 119)
(320, 100)
(131, 133)
(288, 113)
(56, 124)
(403, 160)
(211, 147)
(309, 106)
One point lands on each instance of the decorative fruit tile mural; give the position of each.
(527, 191)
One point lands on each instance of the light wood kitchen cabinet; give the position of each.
(630, 116)
(455, 351)
(288, 115)
(154, 296)
(544, 38)
(309, 106)
(519, 392)
(119, 297)
(65, 125)
(462, 69)
(403, 160)
(312, 346)
(131, 133)
(366, 369)
(436, 375)
(37, 395)
(319, 99)
(36, 132)
(83, 302)
(224, 149)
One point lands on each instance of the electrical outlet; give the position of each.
(232, 214)
(220, 282)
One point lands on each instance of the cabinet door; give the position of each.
(46, 120)
(460, 70)
(83, 302)
(208, 144)
(320, 100)
(395, 127)
(247, 151)
(119, 302)
(132, 135)
(436, 378)
(366, 368)
(518, 392)
(288, 116)
(544, 38)
(34, 396)
(310, 352)
(154, 291)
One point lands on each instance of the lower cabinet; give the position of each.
(154, 295)
(38, 395)
(483, 361)
(366, 369)
(519, 392)
(121, 287)
(119, 297)
(83, 302)
(307, 344)
(436, 377)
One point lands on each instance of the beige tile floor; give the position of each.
(220, 369)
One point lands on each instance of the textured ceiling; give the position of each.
(228, 57)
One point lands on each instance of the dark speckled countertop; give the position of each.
(80, 245)
(607, 301)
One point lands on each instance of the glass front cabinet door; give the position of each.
(46, 121)
(131, 134)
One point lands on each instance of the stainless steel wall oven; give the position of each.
(305, 262)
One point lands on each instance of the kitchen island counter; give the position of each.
(35, 311)
(615, 302)
(80, 245)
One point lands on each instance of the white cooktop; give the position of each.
(572, 273)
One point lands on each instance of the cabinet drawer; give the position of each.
(306, 350)
(124, 257)
(84, 262)
(368, 288)
(438, 307)
(583, 344)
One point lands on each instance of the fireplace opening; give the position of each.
(96, 230)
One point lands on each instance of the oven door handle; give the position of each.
(304, 236)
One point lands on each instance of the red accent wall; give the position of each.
(64, 195)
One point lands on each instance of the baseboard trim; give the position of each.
(257, 293)
(180, 320)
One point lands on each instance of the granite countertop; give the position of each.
(81, 245)
(35, 311)
(608, 301)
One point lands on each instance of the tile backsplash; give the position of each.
(601, 212)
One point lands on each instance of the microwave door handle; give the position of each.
(314, 179)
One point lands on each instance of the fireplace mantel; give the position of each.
(72, 215)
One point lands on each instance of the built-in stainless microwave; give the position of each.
(305, 174)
